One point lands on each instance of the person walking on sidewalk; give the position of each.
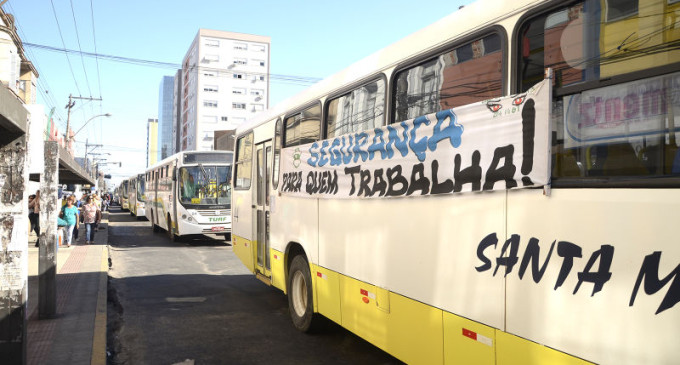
(90, 219)
(34, 215)
(69, 213)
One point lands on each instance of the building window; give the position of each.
(212, 43)
(224, 119)
(256, 92)
(211, 58)
(209, 119)
(210, 103)
(209, 74)
(238, 91)
(258, 107)
(241, 46)
(619, 9)
(210, 88)
(258, 48)
(259, 62)
(240, 61)
(238, 105)
(239, 76)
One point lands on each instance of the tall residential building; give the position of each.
(151, 142)
(177, 112)
(165, 112)
(225, 81)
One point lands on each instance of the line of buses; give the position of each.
(186, 194)
(500, 187)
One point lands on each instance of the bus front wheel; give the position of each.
(300, 302)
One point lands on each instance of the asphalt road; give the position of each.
(193, 302)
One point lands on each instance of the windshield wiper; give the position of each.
(205, 173)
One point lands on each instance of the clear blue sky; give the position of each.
(308, 39)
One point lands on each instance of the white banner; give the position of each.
(492, 145)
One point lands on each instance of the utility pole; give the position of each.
(70, 105)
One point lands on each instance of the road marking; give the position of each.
(186, 299)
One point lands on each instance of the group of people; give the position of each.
(87, 210)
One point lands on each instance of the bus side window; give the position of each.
(303, 127)
(243, 166)
(358, 110)
(466, 74)
(621, 129)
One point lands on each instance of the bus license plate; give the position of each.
(217, 229)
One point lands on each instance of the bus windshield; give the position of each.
(205, 185)
(140, 189)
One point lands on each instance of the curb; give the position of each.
(99, 338)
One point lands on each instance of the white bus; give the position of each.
(136, 196)
(124, 194)
(449, 203)
(189, 193)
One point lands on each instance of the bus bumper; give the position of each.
(186, 227)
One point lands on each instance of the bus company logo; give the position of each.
(217, 219)
(297, 158)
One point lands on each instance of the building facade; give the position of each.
(225, 80)
(165, 112)
(151, 142)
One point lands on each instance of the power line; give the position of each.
(54, 11)
(301, 80)
(82, 60)
(94, 39)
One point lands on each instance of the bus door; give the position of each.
(262, 191)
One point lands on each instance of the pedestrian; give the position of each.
(69, 213)
(98, 203)
(34, 216)
(78, 204)
(107, 202)
(90, 219)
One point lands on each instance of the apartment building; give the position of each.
(224, 81)
(165, 112)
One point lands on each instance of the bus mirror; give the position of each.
(174, 173)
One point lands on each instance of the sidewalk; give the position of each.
(77, 333)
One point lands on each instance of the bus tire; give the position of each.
(171, 234)
(300, 299)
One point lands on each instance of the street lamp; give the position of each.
(81, 128)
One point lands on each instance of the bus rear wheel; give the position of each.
(300, 302)
(171, 234)
(154, 226)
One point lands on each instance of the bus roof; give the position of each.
(178, 154)
(469, 19)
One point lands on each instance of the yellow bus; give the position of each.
(125, 194)
(500, 187)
